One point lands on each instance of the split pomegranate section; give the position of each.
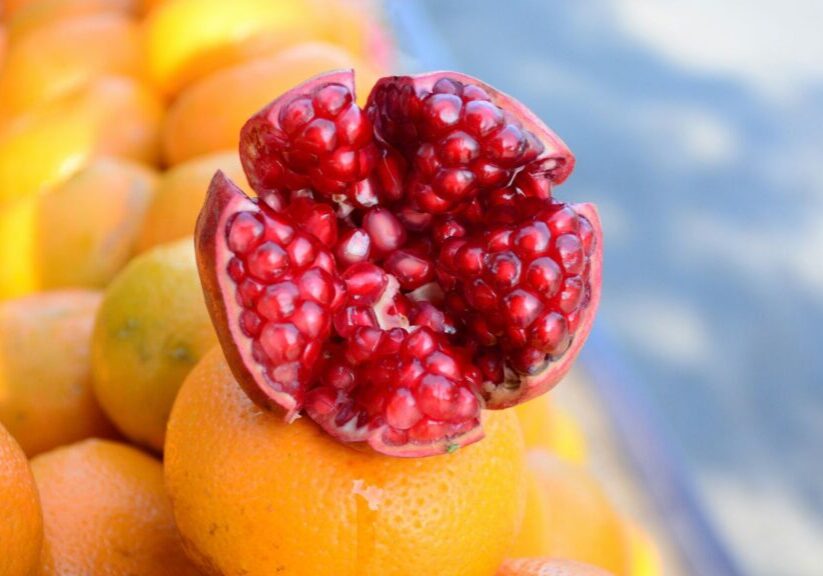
(404, 265)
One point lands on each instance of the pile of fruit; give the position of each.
(252, 322)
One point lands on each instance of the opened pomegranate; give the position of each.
(405, 264)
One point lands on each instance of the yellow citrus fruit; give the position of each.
(46, 397)
(44, 12)
(644, 557)
(151, 330)
(546, 425)
(569, 516)
(547, 567)
(107, 201)
(240, 91)
(188, 39)
(179, 197)
(254, 495)
(60, 57)
(112, 116)
(105, 512)
(21, 524)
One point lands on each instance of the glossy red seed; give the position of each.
(410, 270)
(532, 239)
(544, 276)
(278, 301)
(481, 118)
(522, 307)
(296, 115)
(458, 149)
(268, 262)
(401, 410)
(245, 233)
(330, 100)
(550, 333)
(441, 112)
(385, 230)
(281, 342)
(436, 395)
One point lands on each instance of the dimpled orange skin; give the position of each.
(569, 516)
(547, 567)
(21, 524)
(46, 397)
(240, 91)
(255, 496)
(105, 512)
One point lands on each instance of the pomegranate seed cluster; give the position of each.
(287, 287)
(404, 265)
(421, 389)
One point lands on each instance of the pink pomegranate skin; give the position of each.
(405, 265)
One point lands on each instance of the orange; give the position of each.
(112, 116)
(151, 330)
(21, 524)
(546, 425)
(180, 194)
(64, 55)
(193, 128)
(46, 397)
(254, 495)
(45, 12)
(188, 39)
(105, 512)
(547, 567)
(107, 201)
(569, 516)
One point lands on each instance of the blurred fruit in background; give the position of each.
(43, 12)
(21, 524)
(546, 425)
(46, 397)
(330, 509)
(151, 330)
(644, 556)
(105, 512)
(112, 116)
(187, 39)
(61, 56)
(107, 201)
(239, 92)
(569, 516)
(547, 567)
(179, 197)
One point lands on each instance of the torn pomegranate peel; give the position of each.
(405, 264)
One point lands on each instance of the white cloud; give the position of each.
(775, 47)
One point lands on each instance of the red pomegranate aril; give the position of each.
(401, 410)
(301, 252)
(245, 232)
(296, 115)
(570, 250)
(504, 268)
(311, 319)
(278, 301)
(281, 342)
(550, 333)
(441, 112)
(385, 230)
(317, 285)
(481, 118)
(458, 148)
(236, 269)
(409, 269)
(435, 396)
(268, 262)
(572, 294)
(331, 99)
(365, 282)
(564, 221)
(533, 238)
(316, 218)
(250, 323)
(544, 275)
(354, 246)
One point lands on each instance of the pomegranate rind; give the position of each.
(555, 148)
(224, 199)
(531, 386)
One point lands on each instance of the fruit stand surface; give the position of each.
(699, 154)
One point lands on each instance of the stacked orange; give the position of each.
(104, 161)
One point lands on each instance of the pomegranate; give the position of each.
(405, 264)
